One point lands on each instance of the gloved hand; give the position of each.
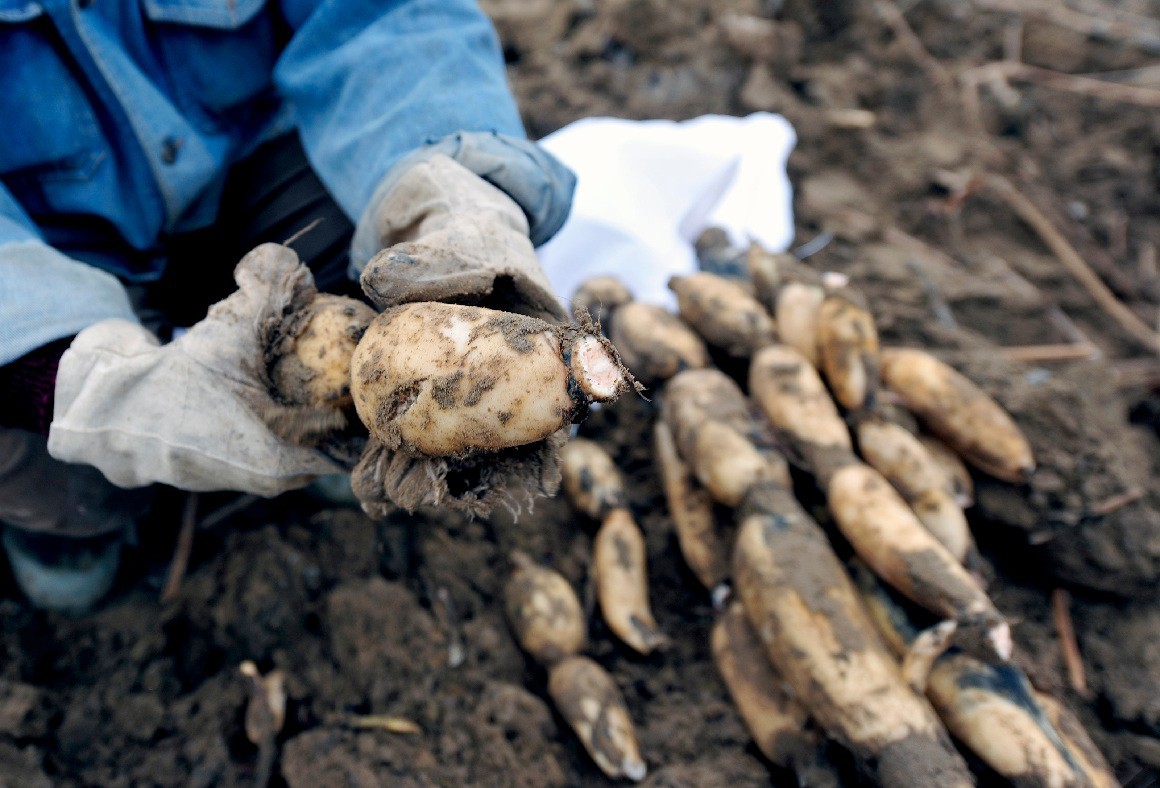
(448, 235)
(190, 413)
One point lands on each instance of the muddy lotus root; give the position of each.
(315, 369)
(467, 406)
(444, 380)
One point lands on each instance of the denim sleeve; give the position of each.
(373, 80)
(44, 295)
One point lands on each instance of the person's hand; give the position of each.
(191, 414)
(448, 235)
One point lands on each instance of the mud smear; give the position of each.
(811, 573)
(920, 760)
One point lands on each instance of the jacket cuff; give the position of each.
(45, 296)
(538, 182)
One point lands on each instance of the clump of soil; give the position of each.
(403, 617)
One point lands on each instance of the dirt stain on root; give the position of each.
(824, 460)
(994, 462)
(930, 582)
(800, 750)
(372, 370)
(623, 554)
(517, 330)
(918, 759)
(391, 408)
(444, 389)
(813, 573)
(480, 387)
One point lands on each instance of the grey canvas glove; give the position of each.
(190, 413)
(448, 235)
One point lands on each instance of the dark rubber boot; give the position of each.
(61, 573)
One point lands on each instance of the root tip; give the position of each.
(999, 637)
(596, 370)
(720, 595)
(634, 769)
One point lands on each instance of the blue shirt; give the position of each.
(119, 118)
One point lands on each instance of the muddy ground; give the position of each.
(404, 617)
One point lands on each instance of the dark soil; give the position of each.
(404, 617)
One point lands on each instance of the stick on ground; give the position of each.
(1071, 260)
(902, 30)
(181, 553)
(1072, 658)
(1034, 354)
(1070, 83)
(1106, 22)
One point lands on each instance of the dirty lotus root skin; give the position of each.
(315, 369)
(546, 617)
(468, 407)
(306, 368)
(1026, 736)
(596, 487)
(787, 387)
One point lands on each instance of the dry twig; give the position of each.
(914, 46)
(181, 553)
(1116, 11)
(938, 305)
(383, 722)
(850, 118)
(305, 230)
(1137, 373)
(1067, 326)
(1143, 77)
(1013, 39)
(1146, 263)
(1072, 261)
(1034, 354)
(1072, 659)
(241, 503)
(1025, 354)
(1108, 24)
(1109, 505)
(189, 527)
(1071, 83)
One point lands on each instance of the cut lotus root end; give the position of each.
(597, 370)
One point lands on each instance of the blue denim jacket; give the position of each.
(122, 116)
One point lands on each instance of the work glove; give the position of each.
(445, 233)
(193, 413)
(448, 235)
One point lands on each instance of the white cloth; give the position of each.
(185, 413)
(647, 189)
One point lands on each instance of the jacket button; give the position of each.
(170, 146)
